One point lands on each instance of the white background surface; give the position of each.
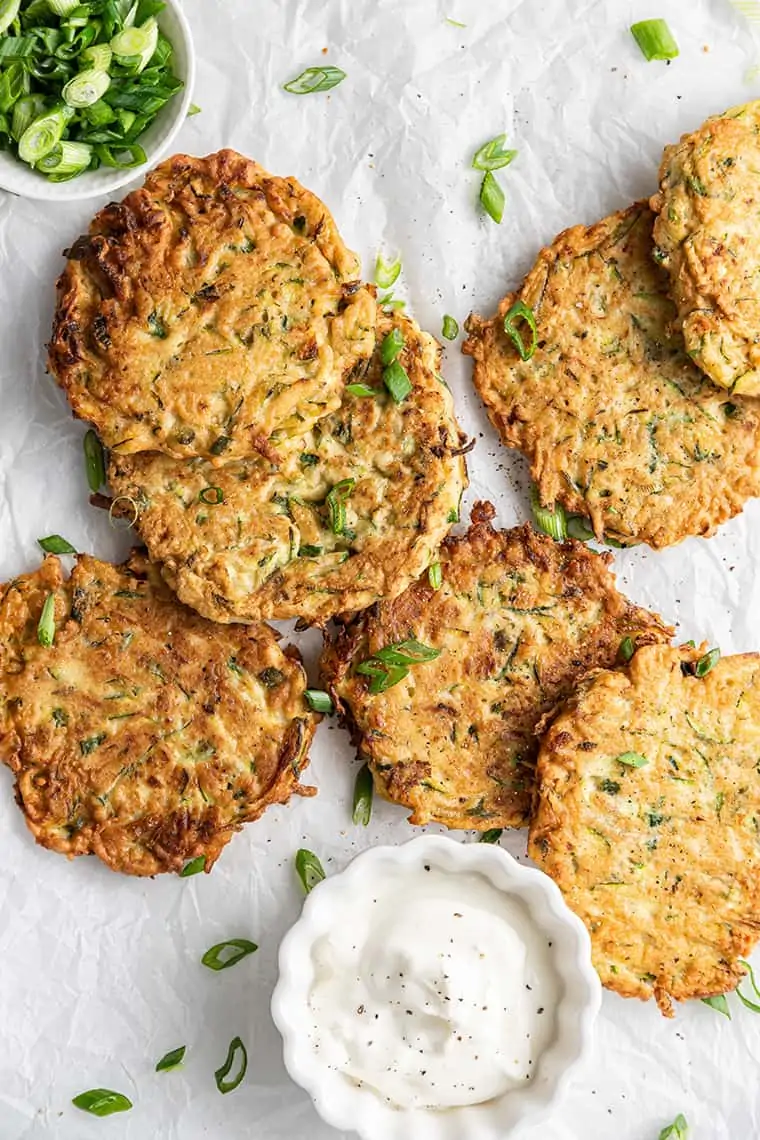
(99, 974)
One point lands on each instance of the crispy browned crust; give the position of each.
(268, 548)
(616, 421)
(212, 307)
(145, 735)
(518, 620)
(661, 861)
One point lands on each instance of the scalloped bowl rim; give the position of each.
(19, 179)
(350, 1108)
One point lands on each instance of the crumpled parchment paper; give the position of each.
(100, 974)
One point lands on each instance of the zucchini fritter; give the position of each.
(617, 422)
(211, 311)
(144, 735)
(518, 619)
(708, 239)
(354, 512)
(647, 817)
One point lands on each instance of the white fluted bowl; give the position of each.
(348, 1106)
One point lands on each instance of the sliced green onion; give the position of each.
(94, 461)
(450, 328)
(8, 13)
(229, 953)
(363, 791)
(122, 157)
(455, 23)
(578, 528)
(521, 312)
(386, 272)
(718, 1003)
(236, 1055)
(390, 665)
(98, 57)
(706, 663)
(655, 39)
(435, 575)
(102, 1102)
(549, 520)
(309, 869)
(46, 624)
(66, 161)
(492, 155)
(493, 835)
(62, 7)
(492, 197)
(396, 380)
(86, 88)
(391, 347)
(632, 759)
(336, 501)
(315, 79)
(678, 1130)
(319, 701)
(360, 390)
(193, 867)
(751, 1005)
(390, 304)
(626, 649)
(212, 496)
(172, 1060)
(25, 111)
(409, 652)
(136, 46)
(41, 136)
(193, 109)
(55, 544)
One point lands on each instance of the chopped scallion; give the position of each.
(747, 1002)
(435, 575)
(549, 520)
(578, 527)
(8, 13)
(55, 544)
(391, 347)
(212, 496)
(236, 1056)
(315, 79)
(319, 701)
(94, 461)
(390, 665)
(626, 649)
(66, 161)
(135, 47)
(42, 135)
(632, 759)
(386, 272)
(493, 835)
(309, 869)
(229, 953)
(450, 328)
(363, 790)
(193, 867)
(493, 156)
(46, 624)
(171, 1060)
(102, 1102)
(655, 39)
(360, 390)
(193, 109)
(521, 312)
(336, 500)
(707, 663)
(396, 380)
(86, 88)
(492, 197)
(678, 1130)
(718, 1003)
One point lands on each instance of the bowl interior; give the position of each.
(20, 179)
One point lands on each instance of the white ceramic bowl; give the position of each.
(349, 1107)
(20, 179)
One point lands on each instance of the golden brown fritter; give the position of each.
(355, 511)
(209, 313)
(660, 860)
(708, 239)
(517, 621)
(616, 421)
(144, 735)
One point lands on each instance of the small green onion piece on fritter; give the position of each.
(46, 624)
(315, 79)
(626, 649)
(521, 312)
(493, 835)
(396, 380)
(391, 304)
(236, 1055)
(718, 1003)
(435, 575)
(706, 663)
(386, 272)
(632, 759)
(55, 544)
(193, 867)
(363, 789)
(493, 156)
(212, 496)
(578, 528)
(360, 390)
(450, 328)
(551, 521)
(655, 39)
(678, 1130)
(8, 13)
(391, 347)
(391, 664)
(309, 869)
(336, 500)
(102, 1102)
(319, 701)
(492, 197)
(751, 1005)
(229, 953)
(94, 461)
(171, 1060)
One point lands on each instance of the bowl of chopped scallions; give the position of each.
(91, 92)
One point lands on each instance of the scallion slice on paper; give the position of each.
(678, 1130)
(319, 701)
(655, 39)
(315, 79)
(719, 1003)
(55, 544)
(386, 272)
(363, 791)
(236, 1062)
(309, 869)
(193, 867)
(493, 835)
(94, 461)
(492, 197)
(549, 520)
(102, 1102)
(450, 328)
(391, 664)
(521, 314)
(396, 380)
(171, 1060)
(229, 953)
(493, 156)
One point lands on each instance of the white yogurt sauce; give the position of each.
(433, 988)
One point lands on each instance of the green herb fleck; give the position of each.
(229, 953)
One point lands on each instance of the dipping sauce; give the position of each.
(434, 989)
